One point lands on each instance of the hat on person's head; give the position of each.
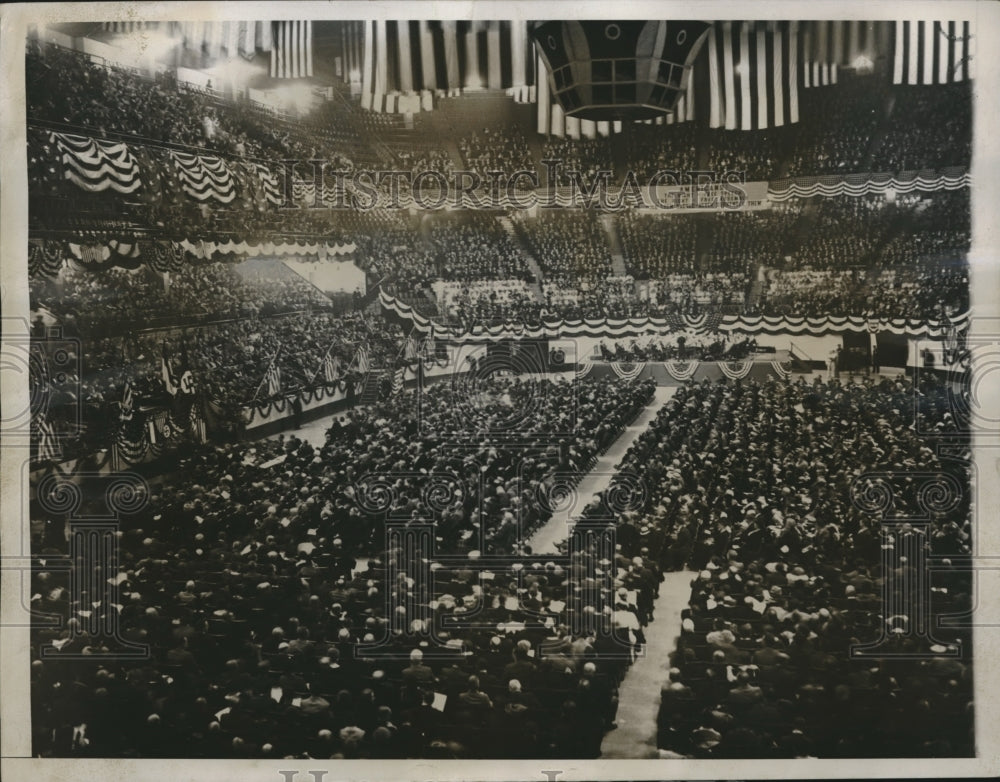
(706, 738)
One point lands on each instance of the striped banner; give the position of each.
(753, 69)
(48, 442)
(96, 166)
(932, 52)
(204, 176)
(292, 50)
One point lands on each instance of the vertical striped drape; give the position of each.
(291, 55)
(752, 74)
(403, 56)
(932, 52)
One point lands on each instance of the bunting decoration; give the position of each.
(856, 185)
(206, 250)
(781, 370)
(271, 189)
(734, 370)
(615, 328)
(397, 380)
(45, 257)
(163, 256)
(932, 52)
(96, 166)
(628, 370)
(681, 370)
(204, 176)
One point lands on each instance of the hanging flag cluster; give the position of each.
(230, 38)
(410, 57)
(932, 52)
(95, 166)
(204, 176)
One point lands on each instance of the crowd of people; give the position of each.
(750, 484)
(655, 246)
(260, 597)
(496, 149)
(838, 125)
(570, 247)
(911, 143)
(68, 87)
(476, 247)
(117, 300)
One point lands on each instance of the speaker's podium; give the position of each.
(618, 70)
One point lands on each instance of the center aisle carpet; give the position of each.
(639, 694)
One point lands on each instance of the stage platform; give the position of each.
(778, 365)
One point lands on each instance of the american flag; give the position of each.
(128, 402)
(272, 379)
(363, 360)
(170, 382)
(410, 349)
(331, 368)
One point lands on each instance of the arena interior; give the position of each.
(331, 467)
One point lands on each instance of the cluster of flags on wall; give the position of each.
(748, 75)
